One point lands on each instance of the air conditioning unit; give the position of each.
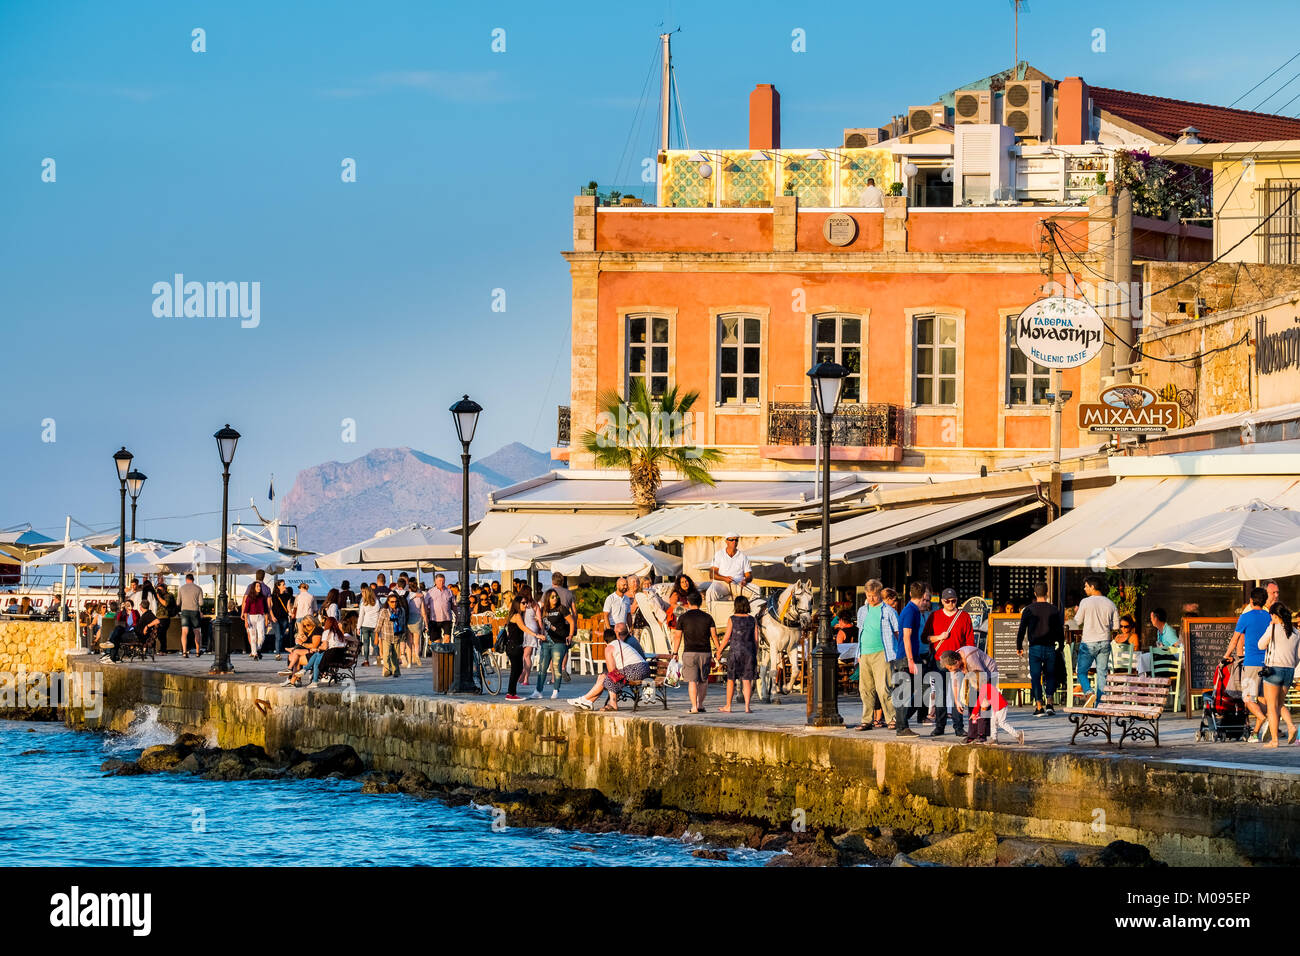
(923, 117)
(973, 106)
(858, 138)
(984, 167)
(1024, 108)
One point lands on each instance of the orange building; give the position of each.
(757, 263)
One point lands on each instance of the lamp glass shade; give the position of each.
(465, 414)
(227, 438)
(828, 383)
(122, 459)
(134, 483)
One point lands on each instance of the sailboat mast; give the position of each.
(665, 91)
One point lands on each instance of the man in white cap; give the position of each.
(729, 571)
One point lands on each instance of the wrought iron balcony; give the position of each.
(857, 426)
(562, 426)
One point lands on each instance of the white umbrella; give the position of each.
(142, 557)
(199, 557)
(1222, 538)
(707, 520)
(79, 556)
(1280, 561)
(414, 544)
(618, 557)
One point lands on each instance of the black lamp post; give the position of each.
(134, 485)
(122, 459)
(828, 383)
(465, 414)
(227, 438)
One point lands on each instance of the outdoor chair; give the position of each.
(1169, 664)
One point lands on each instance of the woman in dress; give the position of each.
(367, 621)
(514, 645)
(532, 625)
(623, 665)
(742, 662)
(1281, 646)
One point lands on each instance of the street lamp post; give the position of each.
(227, 438)
(122, 459)
(135, 484)
(828, 382)
(465, 414)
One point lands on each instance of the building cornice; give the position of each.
(937, 262)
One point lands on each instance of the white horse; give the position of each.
(780, 630)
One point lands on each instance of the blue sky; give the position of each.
(376, 296)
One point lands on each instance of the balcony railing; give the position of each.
(562, 426)
(860, 426)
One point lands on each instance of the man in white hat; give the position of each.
(729, 571)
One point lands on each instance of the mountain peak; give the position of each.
(338, 503)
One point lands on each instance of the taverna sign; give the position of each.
(1060, 332)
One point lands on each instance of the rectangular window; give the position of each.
(1027, 382)
(838, 338)
(1281, 233)
(739, 358)
(934, 368)
(647, 353)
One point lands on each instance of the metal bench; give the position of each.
(340, 664)
(653, 688)
(1134, 703)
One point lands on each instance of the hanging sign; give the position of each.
(1128, 410)
(1059, 332)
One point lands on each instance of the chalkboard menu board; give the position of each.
(1012, 668)
(1204, 640)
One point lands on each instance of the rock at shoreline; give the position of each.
(120, 768)
(977, 848)
(414, 782)
(338, 758)
(705, 854)
(162, 757)
(665, 823)
(724, 833)
(1021, 852)
(902, 859)
(1123, 853)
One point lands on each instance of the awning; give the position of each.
(881, 533)
(710, 520)
(514, 530)
(1142, 510)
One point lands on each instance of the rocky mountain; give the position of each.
(337, 503)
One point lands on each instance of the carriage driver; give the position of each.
(730, 571)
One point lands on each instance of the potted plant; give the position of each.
(589, 189)
(895, 189)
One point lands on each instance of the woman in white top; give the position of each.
(331, 607)
(622, 666)
(1281, 644)
(367, 621)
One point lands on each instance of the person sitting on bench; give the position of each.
(623, 666)
(124, 630)
(332, 647)
(309, 642)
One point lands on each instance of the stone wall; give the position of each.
(35, 646)
(1185, 814)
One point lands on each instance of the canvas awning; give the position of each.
(502, 531)
(1140, 512)
(710, 520)
(881, 533)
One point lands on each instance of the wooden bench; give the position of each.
(634, 690)
(1135, 703)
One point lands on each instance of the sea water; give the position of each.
(58, 809)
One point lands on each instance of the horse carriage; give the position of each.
(782, 623)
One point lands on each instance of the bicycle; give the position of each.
(485, 663)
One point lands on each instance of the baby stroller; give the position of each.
(1223, 715)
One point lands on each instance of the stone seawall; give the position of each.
(35, 646)
(1184, 813)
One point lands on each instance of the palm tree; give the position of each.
(643, 435)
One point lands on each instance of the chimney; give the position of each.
(765, 117)
(1073, 117)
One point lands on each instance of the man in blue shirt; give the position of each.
(906, 663)
(1250, 627)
